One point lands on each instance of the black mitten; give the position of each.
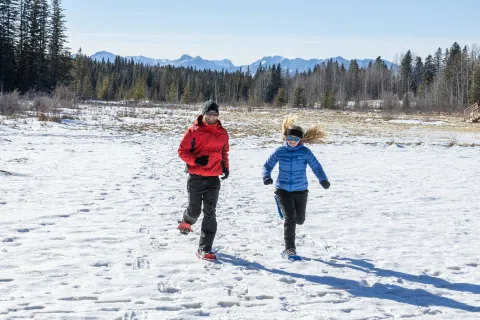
(226, 173)
(325, 184)
(267, 181)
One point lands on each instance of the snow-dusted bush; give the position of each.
(10, 103)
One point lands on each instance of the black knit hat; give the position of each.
(295, 131)
(209, 106)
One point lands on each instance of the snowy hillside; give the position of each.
(89, 212)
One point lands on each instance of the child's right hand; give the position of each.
(267, 181)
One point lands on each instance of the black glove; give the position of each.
(267, 181)
(226, 173)
(325, 184)
(201, 161)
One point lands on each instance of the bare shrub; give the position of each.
(63, 97)
(10, 103)
(43, 104)
(390, 104)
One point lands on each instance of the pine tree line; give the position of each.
(33, 55)
(446, 81)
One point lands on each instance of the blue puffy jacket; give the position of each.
(293, 161)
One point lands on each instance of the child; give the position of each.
(292, 185)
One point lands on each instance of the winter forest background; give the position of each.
(35, 62)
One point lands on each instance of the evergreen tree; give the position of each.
(281, 97)
(9, 11)
(438, 61)
(417, 75)
(87, 86)
(353, 83)
(406, 72)
(139, 89)
(23, 52)
(299, 99)
(58, 53)
(187, 97)
(38, 64)
(79, 71)
(172, 96)
(474, 92)
(328, 100)
(429, 70)
(271, 87)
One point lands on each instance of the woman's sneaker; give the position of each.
(206, 255)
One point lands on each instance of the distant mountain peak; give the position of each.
(225, 64)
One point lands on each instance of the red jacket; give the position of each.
(205, 140)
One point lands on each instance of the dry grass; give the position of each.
(267, 122)
(45, 117)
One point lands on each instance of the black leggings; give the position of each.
(293, 205)
(203, 190)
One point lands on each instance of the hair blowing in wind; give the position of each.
(314, 134)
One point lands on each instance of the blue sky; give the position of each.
(245, 31)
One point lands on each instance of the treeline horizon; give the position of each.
(34, 59)
(448, 80)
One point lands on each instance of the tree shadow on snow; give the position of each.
(416, 297)
(368, 267)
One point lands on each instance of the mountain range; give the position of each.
(227, 65)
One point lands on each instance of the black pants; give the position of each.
(206, 190)
(293, 205)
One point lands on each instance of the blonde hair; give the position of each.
(314, 134)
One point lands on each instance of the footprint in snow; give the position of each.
(100, 264)
(192, 305)
(158, 245)
(143, 230)
(456, 268)
(141, 263)
(287, 280)
(165, 287)
(133, 315)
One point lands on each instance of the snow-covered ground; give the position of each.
(88, 216)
